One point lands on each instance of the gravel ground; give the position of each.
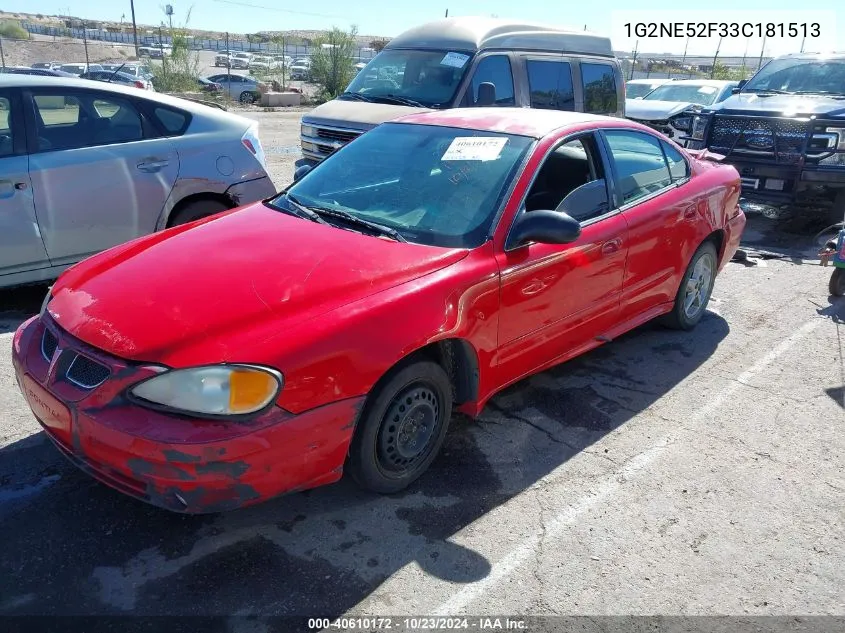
(665, 473)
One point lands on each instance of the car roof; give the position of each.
(653, 80)
(837, 55)
(476, 33)
(522, 121)
(716, 83)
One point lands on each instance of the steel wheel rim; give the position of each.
(408, 429)
(698, 286)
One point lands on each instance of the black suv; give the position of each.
(784, 131)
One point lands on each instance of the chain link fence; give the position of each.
(639, 66)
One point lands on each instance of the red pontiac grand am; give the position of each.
(425, 266)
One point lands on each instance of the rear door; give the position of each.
(21, 247)
(100, 171)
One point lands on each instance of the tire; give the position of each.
(401, 429)
(196, 210)
(698, 281)
(837, 283)
(247, 97)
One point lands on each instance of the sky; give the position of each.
(390, 17)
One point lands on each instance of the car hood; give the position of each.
(655, 110)
(248, 268)
(358, 115)
(781, 105)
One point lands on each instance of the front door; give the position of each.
(557, 299)
(21, 247)
(100, 175)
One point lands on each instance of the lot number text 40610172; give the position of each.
(723, 29)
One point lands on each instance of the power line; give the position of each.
(258, 6)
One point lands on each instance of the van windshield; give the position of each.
(426, 78)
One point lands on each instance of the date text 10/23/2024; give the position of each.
(422, 623)
(722, 29)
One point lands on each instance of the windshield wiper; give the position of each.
(298, 210)
(354, 219)
(356, 96)
(825, 93)
(773, 91)
(400, 100)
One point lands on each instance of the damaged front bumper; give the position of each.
(180, 464)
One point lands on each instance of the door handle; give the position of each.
(153, 165)
(611, 246)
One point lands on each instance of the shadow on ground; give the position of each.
(73, 546)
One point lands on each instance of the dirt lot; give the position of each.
(665, 473)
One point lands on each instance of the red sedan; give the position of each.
(423, 267)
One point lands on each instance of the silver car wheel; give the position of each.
(698, 286)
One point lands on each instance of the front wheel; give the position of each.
(401, 428)
(247, 97)
(696, 287)
(837, 282)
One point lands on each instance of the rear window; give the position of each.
(175, 122)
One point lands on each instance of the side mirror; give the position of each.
(301, 172)
(486, 94)
(544, 227)
(587, 201)
(738, 88)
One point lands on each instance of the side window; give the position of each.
(494, 69)
(550, 83)
(69, 121)
(7, 147)
(174, 121)
(599, 88)
(571, 179)
(640, 165)
(678, 167)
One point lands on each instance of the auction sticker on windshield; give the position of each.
(475, 148)
(456, 60)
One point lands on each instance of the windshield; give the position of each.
(438, 186)
(632, 91)
(427, 77)
(818, 76)
(701, 94)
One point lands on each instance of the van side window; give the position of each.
(599, 88)
(550, 83)
(494, 69)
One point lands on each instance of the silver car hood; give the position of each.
(645, 110)
(357, 115)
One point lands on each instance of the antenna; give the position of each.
(447, 13)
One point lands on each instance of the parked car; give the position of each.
(47, 65)
(141, 71)
(96, 164)
(669, 108)
(159, 51)
(223, 58)
(300, 70)
(241, 60)
(638, 88)
(470, 62)
(208, 86)
(41, 72)
(120, 78)
(339, 324)
(260, 63)
(242, 88)
(78, 69)
(785, 133)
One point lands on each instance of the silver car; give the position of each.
(97, 165)
(241, 88)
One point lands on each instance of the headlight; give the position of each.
(681, 122)
(212, 390)
(308, 130)
(698, 126)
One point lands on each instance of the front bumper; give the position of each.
(733, 236)
(180, 464)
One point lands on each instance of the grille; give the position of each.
(49, 343)
(337, 135)
(86, 373)
(777, 140)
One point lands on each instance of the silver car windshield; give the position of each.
(419, 77)
(702, 94)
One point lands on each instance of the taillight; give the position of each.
(140, 84)
(253, 144)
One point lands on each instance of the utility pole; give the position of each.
(713, 68)
(803, 39)
(85, 42)
(447, 13)
(762, 50)
(228, 66)
(134, 27)
(634, 60)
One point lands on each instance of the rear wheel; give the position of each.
(402, 428)
(247, 97)
(196, 210)
(696, 287)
